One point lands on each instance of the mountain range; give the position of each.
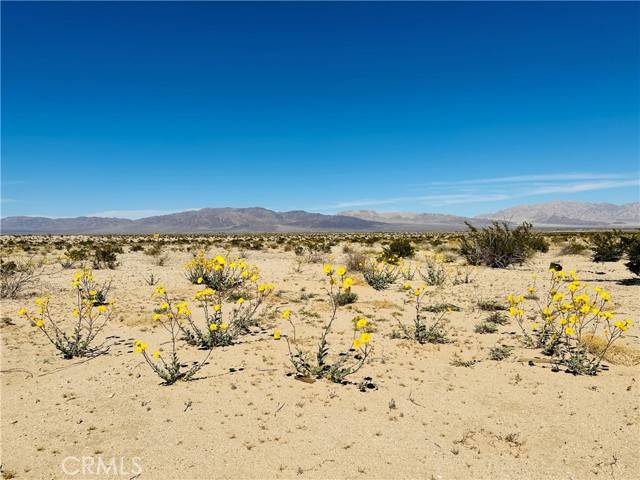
(571, 214)
(256, 219)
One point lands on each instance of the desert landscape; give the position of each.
(319, 240)
(469, 399)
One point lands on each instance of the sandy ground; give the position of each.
(246, 418)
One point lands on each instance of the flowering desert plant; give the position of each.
(170, 315)
(572, 313)
(434, 273)
(380, 275)
(423, 331)
(322, 364)
(89, 318)
(217, 331)
(90, 289)
(220, 274)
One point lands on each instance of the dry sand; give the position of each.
(494, 420)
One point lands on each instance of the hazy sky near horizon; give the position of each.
(133, 109)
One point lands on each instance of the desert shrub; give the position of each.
(15, 277)
(569, 315)
(67, 264)
(105, 256)
(632, 250)
(221, 274)
(397, 249)
(607, 247)
(422, 331)
(441, 307)
(486, 326)
(498, 318)
(462, 277)
(433, 273)
(90, 317)
(499, 246)
(356, 261)
(346, 298)
(314, 256)
(76, 254)
(490, 306)
(156, 252)
(169, 367)
(136, 248)
(573, 247)
(500, 352)
(380, 276)
(322, 364)
(407, 271)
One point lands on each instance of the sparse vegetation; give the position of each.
(607, 247)
(322, 364)
(168, 365)
(89, 318)
(570, 314)
(381, 276)
(16, 277)
(397, 249)
(632, 249)
(500, 352)
(499, 246)
(423, 331)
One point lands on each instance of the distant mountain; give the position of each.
(212, 220)
(63, 225)
(193, 221)
(417, 221)
(571, 214)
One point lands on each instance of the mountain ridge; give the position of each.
(568, 213)
(258, 219)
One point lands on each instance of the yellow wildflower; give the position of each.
(365, 338)
(361, 323)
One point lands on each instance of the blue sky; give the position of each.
(132, 109)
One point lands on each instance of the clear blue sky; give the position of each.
(139, 108)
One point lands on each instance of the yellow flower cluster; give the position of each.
(360, 323)
(571, 308)
(343, 282)
(140, 346)
(218, 263)
(419, 292)
(80, 277)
